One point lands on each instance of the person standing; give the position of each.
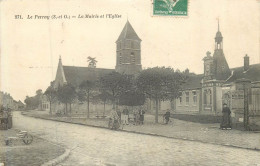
(226, 120)
(136, 116)
(141, 113)
(125, 116)
(119, 114)
(167, 116)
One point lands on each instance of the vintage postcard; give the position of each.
(130, 82)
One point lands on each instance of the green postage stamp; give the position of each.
(170, 7)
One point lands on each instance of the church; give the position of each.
(128, 61)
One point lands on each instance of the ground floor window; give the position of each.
(187, 98)
(207, 97)
(194, 94)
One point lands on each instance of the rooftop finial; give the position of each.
(60, 58)
(218, 24)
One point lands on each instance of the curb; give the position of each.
(151, 134)
(58, 159)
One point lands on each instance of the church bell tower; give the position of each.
(128, 51)
(221, 69)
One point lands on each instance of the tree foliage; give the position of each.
(159, 84)
(115, 84)
(66, 94)
(86, 92)
(51, 95)
(34, 101)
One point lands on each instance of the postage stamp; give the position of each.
(170, 7)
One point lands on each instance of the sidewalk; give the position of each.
(206, 133)
(19, 154)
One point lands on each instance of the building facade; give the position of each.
(206, 93)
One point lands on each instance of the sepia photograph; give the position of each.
(130, 82)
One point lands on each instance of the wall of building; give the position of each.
(188, 102)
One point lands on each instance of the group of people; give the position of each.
(138, 115)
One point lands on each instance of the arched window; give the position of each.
(120, 58)
(208, 97)
(132, 57)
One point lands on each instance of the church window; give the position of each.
(194, 93)
(120, 58)
(133, 57)
(187, 97)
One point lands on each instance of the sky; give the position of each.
(30, 48)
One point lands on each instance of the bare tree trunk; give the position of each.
(50, 108)
(114, 103)
(157, 110)
(66, 109)
(104, 109)
(88, 106)
(70, 108)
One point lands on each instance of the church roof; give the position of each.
(76, 75)
(193, 82)
(128, 32)
(252, 73)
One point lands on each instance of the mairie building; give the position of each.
(206, 93)
(201, 93)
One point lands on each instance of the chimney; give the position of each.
(246, 62)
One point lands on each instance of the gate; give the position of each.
(254, 102)
(244, 105)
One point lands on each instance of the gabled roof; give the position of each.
(253, 73)
(128, 32)
(193, 82)
(76, 75)
(220, 65)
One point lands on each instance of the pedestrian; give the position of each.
(125, 116)
(141, 114)
(136, 116)
(226, 120)
(119, 114)
(167, 116)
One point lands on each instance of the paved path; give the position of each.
(94, 146)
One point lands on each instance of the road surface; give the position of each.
(95, 146)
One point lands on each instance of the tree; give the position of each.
(159, 84)
(32, 102)
(115, 84)
(51, 95)
(104, 96)
(66, 94)
(132, 98)
(92, 62)
(87, 88)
